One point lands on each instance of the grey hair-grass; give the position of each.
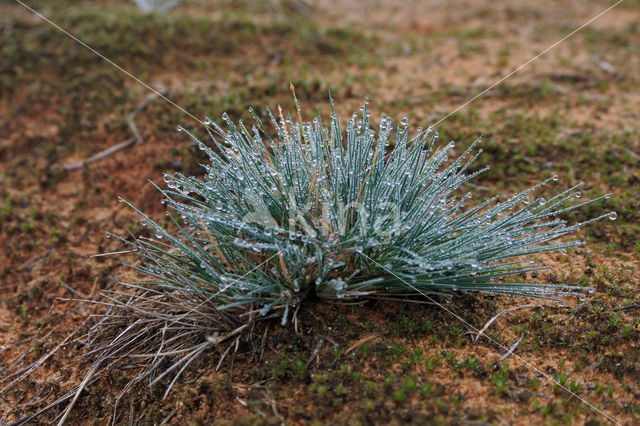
(326, 200)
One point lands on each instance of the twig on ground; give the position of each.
(330, 340)
(514, 346)
(241, 401)
(219, 339)
(264, 341)
(481, 332)
(100, 155)
(224, 355)
(269, 396)
(316, 351)
(166, 419)
(71, 289)
(361, 342)
(131, 117)
(625, 308)
(19, 342)
(578, 308)
(295, 318)
(93, 289)
(137, 139)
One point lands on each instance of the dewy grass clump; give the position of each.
(315, 211)
(341, 213)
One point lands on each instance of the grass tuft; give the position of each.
(340, 213)
(331, 212)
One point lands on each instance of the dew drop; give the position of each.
(542, 201)
(207, 121)
(179, 129)
(612, 216)
(554, 178)
(578, 194)
(607, 196)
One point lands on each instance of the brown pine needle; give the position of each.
(215, 245)
(361, 342)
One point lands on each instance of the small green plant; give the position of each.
(399, 396)
(500, 381)
(561, 380)
(426, 389)
(472, 363)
